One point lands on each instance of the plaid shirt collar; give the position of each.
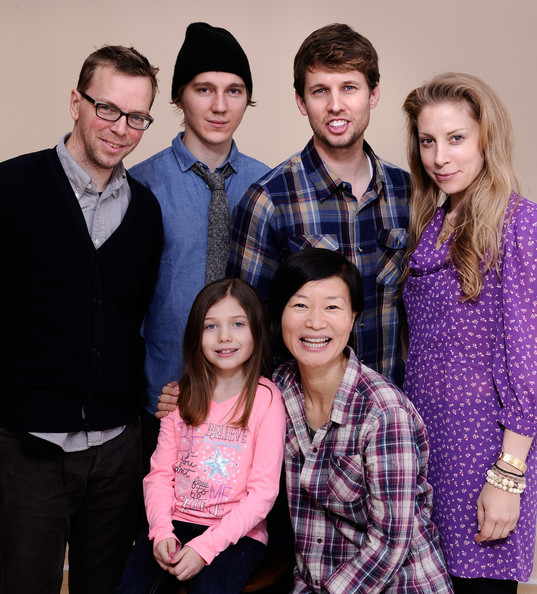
(327, 182)
(295, 399)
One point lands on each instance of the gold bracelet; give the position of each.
(512, 461)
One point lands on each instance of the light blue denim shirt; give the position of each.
(184, 199)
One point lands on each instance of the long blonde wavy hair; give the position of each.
(476, 245)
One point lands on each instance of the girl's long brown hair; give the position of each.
(197, 383)
(476, 245)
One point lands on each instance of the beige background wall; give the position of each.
(43, 44)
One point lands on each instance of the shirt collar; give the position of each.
(287, 376)
(80, 180)
(186, 159)
(326, 182)
(346, 389)
(378, 179)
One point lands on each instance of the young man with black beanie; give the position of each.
(212, 86)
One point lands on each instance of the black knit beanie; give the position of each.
(208, 49)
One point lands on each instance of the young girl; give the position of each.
(215, 472)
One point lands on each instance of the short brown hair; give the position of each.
(339, 48)
(126, 60)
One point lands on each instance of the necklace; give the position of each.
(444, 236)
(447, 232)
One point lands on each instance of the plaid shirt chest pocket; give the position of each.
(344, 479)
(392, 246)
(346, 496)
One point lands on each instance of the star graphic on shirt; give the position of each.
(218, 465)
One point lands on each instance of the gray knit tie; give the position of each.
(219, 223)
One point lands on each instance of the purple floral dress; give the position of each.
(472, 369)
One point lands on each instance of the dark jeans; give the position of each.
(483, 586)
(227, 574)
(150, 426)
(150, 430)
(49, 498)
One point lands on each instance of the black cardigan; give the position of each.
(70, 314)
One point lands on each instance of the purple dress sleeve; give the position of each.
(515, 361)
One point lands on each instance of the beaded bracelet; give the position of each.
(495, 466)
(505, 483)
(509, 475)
(521, 478)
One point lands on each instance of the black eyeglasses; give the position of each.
(111, 113)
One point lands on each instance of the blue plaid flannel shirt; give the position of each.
(301, 203)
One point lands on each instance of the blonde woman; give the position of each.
(471, 299)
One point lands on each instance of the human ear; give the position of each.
(374, 97)
(74, 104)
(301, 104)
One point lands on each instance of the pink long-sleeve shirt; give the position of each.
(217, 474)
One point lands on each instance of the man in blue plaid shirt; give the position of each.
(335, 194)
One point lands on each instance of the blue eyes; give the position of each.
(346, 89)
(207, 91)
(234, 325)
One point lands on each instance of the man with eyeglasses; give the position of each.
(111, 113)
(80, 244)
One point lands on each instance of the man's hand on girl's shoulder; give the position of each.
(167, 401)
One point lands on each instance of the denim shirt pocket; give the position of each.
(329, 242)
(392, 244)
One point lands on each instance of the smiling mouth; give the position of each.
(315, 343)
(113, 144)
(337, 126)
(444, 176)
(227, 351)
(337, 123)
